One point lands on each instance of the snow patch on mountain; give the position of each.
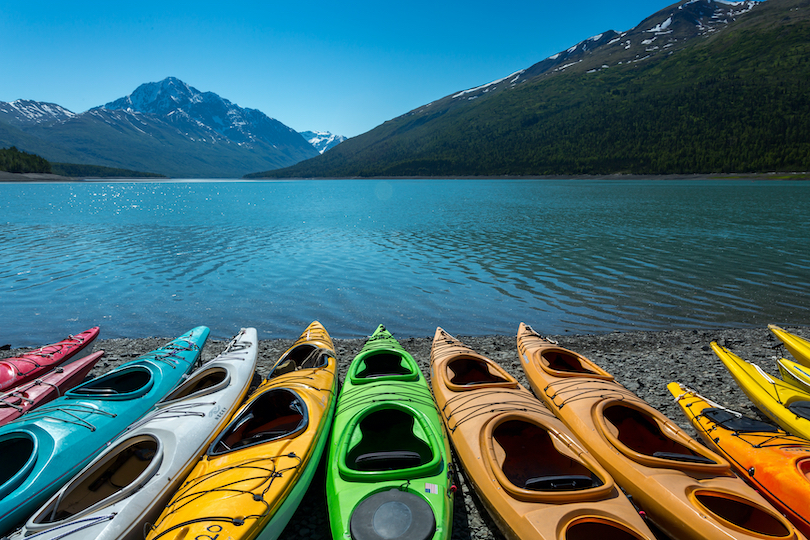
(484, 87)
(26, 112)
(322, 140)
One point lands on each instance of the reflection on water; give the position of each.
(477, 257)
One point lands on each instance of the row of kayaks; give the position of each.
(156, 449)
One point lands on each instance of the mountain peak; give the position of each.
(160, 97)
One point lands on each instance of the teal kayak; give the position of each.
(45, 448)
(388, 473)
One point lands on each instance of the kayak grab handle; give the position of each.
(568, 482)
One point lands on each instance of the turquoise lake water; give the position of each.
(475, 257)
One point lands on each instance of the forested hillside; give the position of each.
(734, 101)
(14, 161)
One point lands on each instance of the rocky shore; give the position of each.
(645, 362)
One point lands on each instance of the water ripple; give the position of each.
(476, 257)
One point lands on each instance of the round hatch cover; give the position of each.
(390, 515)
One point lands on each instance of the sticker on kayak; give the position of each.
(525, 358)
(433, 489)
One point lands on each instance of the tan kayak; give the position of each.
(535, 480)
(685, 489)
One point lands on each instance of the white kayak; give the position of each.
(127, 486)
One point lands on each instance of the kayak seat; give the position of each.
(388, 443)
(689, 458)
(276, 413)
(469, 371)
(641, 433)
(110, 477)
(396, 459)
(732, 422)
(529, 459)
(800, 409)
(568, 482)
(285, 367)
(382, 365)
(198, 385)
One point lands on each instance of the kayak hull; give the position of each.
(253, 474)
(388, 449)
(26, 367)
(127, 485)
(780, 401)
(52, 443)
(51, 385)
(773, 462)
(685, 489)
(533, 477)
(798, 346)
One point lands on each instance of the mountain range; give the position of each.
(701, 86)
(166, 127)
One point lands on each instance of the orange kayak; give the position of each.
(533, 477)
(775, 463)
(686, 490)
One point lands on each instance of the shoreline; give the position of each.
(11, 178)
(643, 361)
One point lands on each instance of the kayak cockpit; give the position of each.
(590, 527)
(277, 413)
(473, 372)
(121, 472)
(800, 408)
(637, 432)
(564, 363)
(18, 454)
(206, 382)
(742, 513)
(304, 356)
(389, 440)
(734, 422)
(382, 364)
(533, 464)
(122, 384)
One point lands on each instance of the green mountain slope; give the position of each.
(736, 100)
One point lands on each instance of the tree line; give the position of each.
(16, 161)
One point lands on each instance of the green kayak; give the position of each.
(388, 472)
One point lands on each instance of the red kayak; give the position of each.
(21, 369)
(50, 386)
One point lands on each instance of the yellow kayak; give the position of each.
(794, 373)
(254, 474)
(798, 347)
(784, 403)
(685, 489)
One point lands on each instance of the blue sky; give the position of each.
(340, 67)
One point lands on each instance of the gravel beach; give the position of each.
(644, 362)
